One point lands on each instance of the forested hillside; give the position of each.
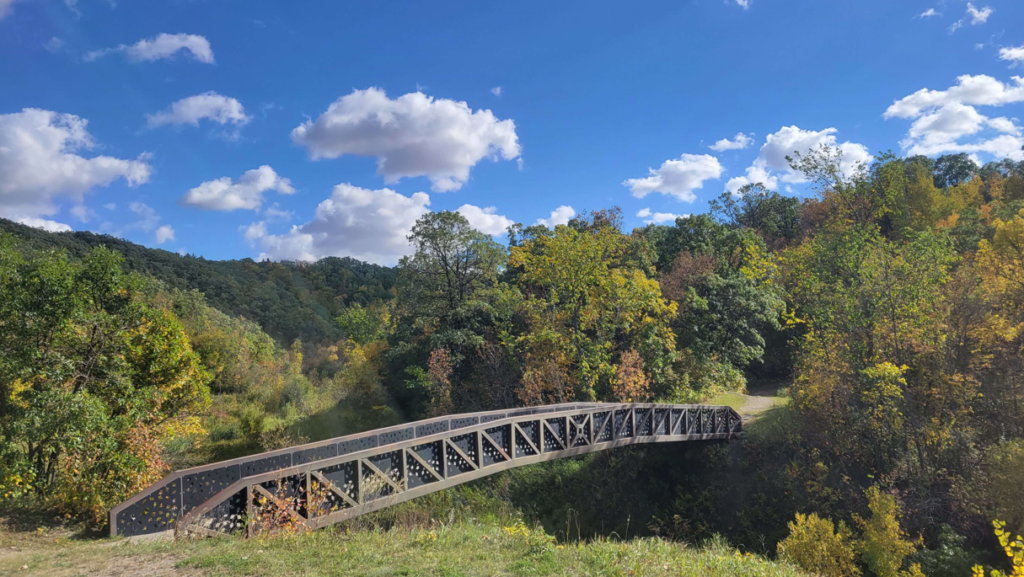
(289, 300)
(891, 303)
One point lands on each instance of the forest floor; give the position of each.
(461, 549)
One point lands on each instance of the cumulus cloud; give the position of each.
(160, 47)
(496, 91)
(246, 193)
(412, 135)
(743, 4)
(678, 178)
(1014, 54)
(208, 105)
(658, 217)
(47, 225)
(370, 225)
(739, 142)
(254, 231)
(164, 234)
(980, 90)
(560, 215)
(486, 220)
(929, 13)
(40, 161)
(942, 119)
(771, 165)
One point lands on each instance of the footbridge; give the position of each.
(318, 484)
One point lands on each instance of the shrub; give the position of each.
(815, 545)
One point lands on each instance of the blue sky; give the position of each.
(232, 129)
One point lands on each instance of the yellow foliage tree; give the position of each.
(883, 544)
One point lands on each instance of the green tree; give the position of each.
(954, 169)
(590, 301)
(773, 216)
(92, 379)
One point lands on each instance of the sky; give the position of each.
(293, 131)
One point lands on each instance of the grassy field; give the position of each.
(463, 548)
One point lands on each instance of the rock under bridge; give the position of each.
(318, 484)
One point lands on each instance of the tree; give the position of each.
(773, 216)
(450, 298)
(451, 262)
(954, 169)
(588, 302)
(883, 544)
(92, 379)
(723, 280)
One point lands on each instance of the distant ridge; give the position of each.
(289, 300)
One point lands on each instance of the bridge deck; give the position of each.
(321, 483)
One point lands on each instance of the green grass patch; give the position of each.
(460, 549)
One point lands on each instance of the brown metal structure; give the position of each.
(318, 484)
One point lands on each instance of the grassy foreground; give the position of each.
(464, 548)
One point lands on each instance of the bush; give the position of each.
(815, 545)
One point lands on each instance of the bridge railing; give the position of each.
(360, 473)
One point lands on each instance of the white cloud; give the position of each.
(254, 231)
(412, 135)
(246, 193)
(110, 206)
(159, 47)
(978, 16)
(929, 13)
(678, 177)
(560, 215)
(53, 45)
(496, 91)
(743, 3)
(486, 220)
(164, 234)
(47, 225)
(943, 118)
(980, 90)
(148, 218)
(658, 217)
(1014, 54)
(275, 213)
(369, 225)
(787, 141)
(39, 162)
(209, 105)
(739, 142)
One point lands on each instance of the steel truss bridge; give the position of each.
(318, 484)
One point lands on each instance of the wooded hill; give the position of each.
(289, 300)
